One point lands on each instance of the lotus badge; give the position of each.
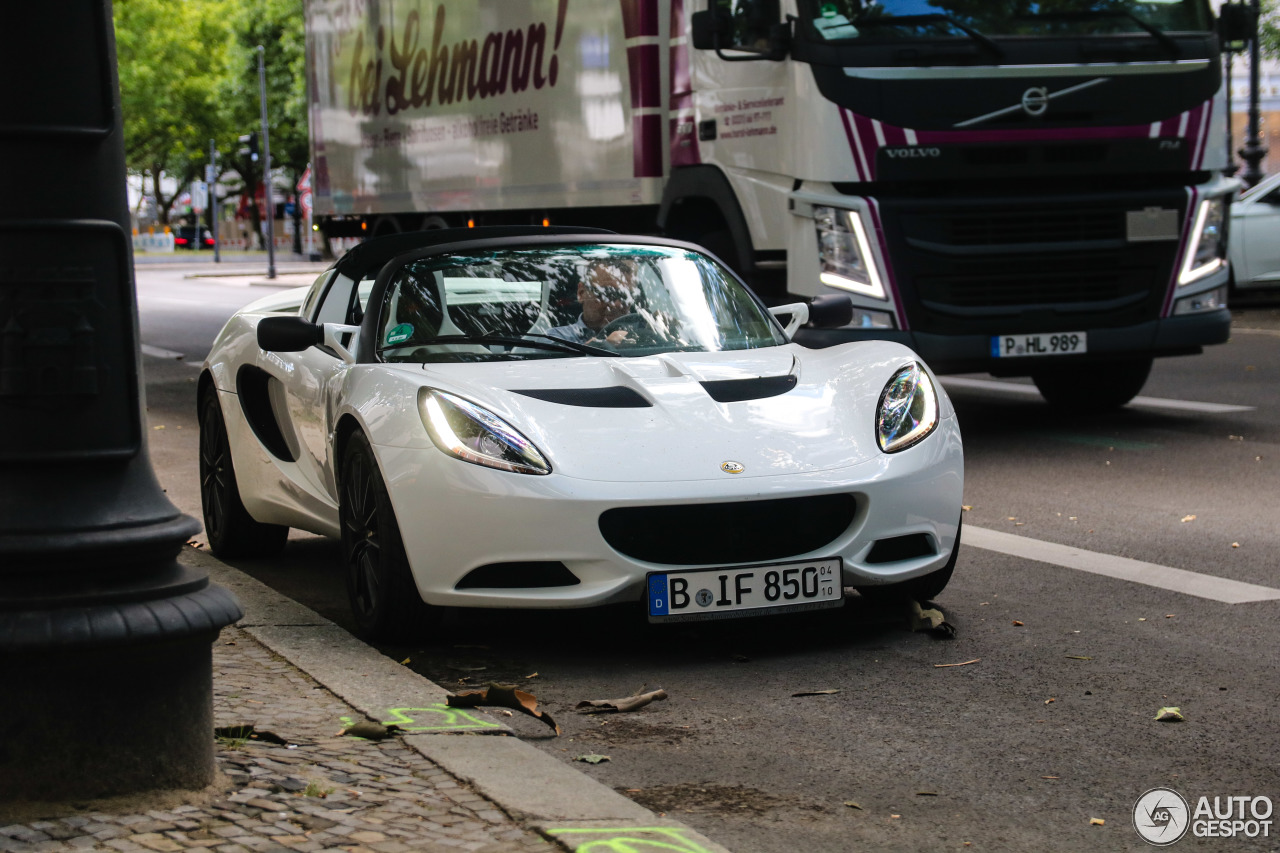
(732, 467)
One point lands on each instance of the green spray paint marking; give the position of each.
(438, 718)
(441, 718)
(628, 840)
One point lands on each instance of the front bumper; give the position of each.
(455, 517)
(1179, 335)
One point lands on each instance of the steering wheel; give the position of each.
(637, 327)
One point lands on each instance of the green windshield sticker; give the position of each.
(400, 334)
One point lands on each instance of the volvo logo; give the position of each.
(897, 153)
(1035, 101)
(731, 467)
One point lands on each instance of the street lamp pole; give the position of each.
(1232, 166)
(1253, 150)
(266, 166)
(212, 180)
(105, 637)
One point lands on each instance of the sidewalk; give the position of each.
(453, 780)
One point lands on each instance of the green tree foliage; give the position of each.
(277, 25)
(1269, 30)
(172, 56)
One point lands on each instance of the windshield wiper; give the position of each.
(1095, 14)
(580, 347)
(550, 342)
(981, 39)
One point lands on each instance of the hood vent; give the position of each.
(613, 397)
(737, 390)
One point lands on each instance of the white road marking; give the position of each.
(157, 352)
(1122, 568)
(1147, 402)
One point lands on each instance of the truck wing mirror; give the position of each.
(1236, 25)
(712, 29)
(288, 334)
(709, 29)
(831, 311)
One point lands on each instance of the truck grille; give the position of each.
(740, 532)
(1046, 265)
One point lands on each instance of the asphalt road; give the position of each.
(1041, 722)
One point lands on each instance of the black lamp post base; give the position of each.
(109, 698)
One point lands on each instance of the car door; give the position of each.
(314, 379)
(1257, 227)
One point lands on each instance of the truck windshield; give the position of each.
(866, 21)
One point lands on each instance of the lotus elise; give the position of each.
(568, 417)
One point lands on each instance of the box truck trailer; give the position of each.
(1027, 189)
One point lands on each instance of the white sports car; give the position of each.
(533, 417)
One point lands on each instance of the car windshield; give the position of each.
(868, 21)
(566, 301)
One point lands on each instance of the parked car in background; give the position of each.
(559, 418)
(1254, 244)
(192, 237)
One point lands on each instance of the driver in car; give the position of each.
(607, 292)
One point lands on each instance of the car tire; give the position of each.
(1093, 387)
(922, 588)
(231, 531)
(384, 598)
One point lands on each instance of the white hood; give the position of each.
(825, 421)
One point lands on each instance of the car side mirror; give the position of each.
(796, 314)
(288, 334)
(830, 311)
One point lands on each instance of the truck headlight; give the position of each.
(475, 434)
(844, 253)
(1206, 250)
(908, 409)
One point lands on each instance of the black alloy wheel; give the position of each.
(384, 598)
(231, 531)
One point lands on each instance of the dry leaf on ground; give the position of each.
(503, 696)
(630, 703)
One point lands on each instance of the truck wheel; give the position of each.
(1093, 387)
(231, 530)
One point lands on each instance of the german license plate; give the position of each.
(1019, 346)
(745, 591)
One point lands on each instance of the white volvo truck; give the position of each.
(1021, 188)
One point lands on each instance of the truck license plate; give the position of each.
(1019, 346)
(745, 591)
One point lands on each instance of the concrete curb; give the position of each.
(534, 788)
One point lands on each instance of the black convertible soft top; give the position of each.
(372, 254)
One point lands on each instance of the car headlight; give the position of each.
(475, 434)
(908, 409)
(1207, 248)
(845, 254)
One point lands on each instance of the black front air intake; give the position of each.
(528, 575)
(741, 532)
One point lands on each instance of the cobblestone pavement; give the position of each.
(317, 792)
